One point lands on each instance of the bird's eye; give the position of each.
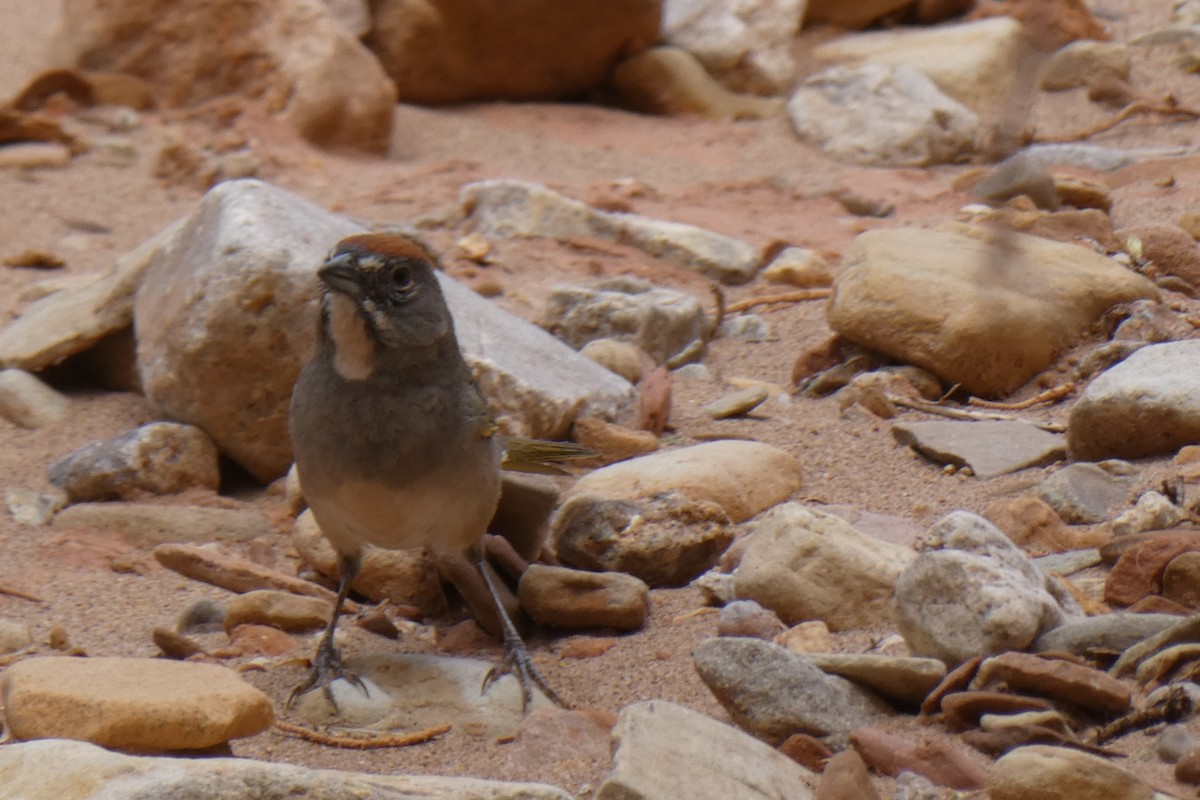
(402, 283)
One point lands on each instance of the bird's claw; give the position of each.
(327, 668)
(518, 663)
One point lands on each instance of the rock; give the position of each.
(1143, 406)
(905, 682)
(1083, 193)
(911, 786)
(131, 703)
(744, 477)
(1171, 248)
(1083, 62)
(1040, 772)
(1181, 630)
(748, 619)
(405, 577)
(1175, 742)
(659, 321)
(26, 401)
(845, 775)
(672, 81)
(805, 564)
(353, 15)
(1139, 570)
(745, 328)
(737, 404)
(570, 598)
(147, 524)
(523, 514)
(1082, 494)
(443, 52)
(963, 710)
(308, 67)
(1187, 770)
(624, 358)
(416, 692)
(1114, 632)
(1080, 685)
(14, 636)
(613, 442)
(511, 209)
(851, 15)
(989, 447)
(928, 298)
(34, 155)
(799, 266)
(283, 610)
(199, 365)
(1031, 523)
(665, 540)
(1181, 580)
(555, 738)
(972, 592)
(773, 693)
(807, 637)
(64, 770)
(977, 63)
(746, 46)
(709, 760)
(1152, 512)
(840, 111)
(942, 762)
(159, 458)
(72, 320)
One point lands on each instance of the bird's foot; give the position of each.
(518, 663)
(327, 668)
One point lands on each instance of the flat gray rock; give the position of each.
(1114, 632)
(772, 692)
(1084, 493)
(1068, 562)
(56, 769)
(988, 447)
(664, 752)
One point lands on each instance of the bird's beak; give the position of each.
(340, 275)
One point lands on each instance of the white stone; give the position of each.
(880, 115)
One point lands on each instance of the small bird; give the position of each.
(394, 443)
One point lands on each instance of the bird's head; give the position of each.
(387, 281)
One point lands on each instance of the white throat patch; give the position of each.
(353, 345)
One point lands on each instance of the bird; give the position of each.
(394, 442)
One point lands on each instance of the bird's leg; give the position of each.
(327, 663)
(516, 661)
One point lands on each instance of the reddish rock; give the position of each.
(1138, 571)
(956, 681)
(574, 598)
(807, 751)
(1061, 680)
(962, 710)
(1156, 604)
(846, 776)
(1187, 769)
(938, 760)
(1181, 580)
(1033, 524)
(1171, 248)
(259, 640)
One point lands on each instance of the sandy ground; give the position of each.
(750, 179)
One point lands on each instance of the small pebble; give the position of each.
(737, 404)
(14, 635)
(746, 328)
(748, 618)
(32, 508)
(1175, 742)
(1187, 769)
(57, 638)
(174, 645)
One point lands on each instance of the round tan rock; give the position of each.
(283, 610)
(1040, 772)
(745, 478)
(573, 598)
(131, 703)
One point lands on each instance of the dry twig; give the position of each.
(1048, 396)
(959, 413)
(13, 592)
(361, 743)
(1167, 108)
(783, 297)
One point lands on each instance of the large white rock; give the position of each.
(974, 308)
(226, 315)
(745, 44)
(513, 209)
(806, 564)
(976, 63)
(1149, 404)
(55, 769)
(1041, 772)
(882, 116)
(664, 751)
